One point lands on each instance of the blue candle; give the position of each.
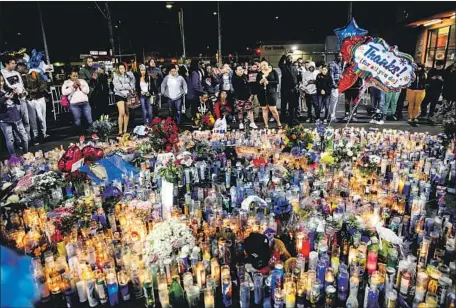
(113, 293)
(321, 270)
(406, 190)
(342, 285)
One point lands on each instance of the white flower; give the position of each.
(349, 153)
(349, 145)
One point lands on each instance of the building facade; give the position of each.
(436, 39)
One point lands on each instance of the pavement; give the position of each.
(62, 132)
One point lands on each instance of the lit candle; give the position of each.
(372, 257)
(200, 275)
(215, 270)
(290, 297)
(209, 301)
(329, 277)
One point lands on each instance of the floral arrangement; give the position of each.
(43, 184)
(368, 164)
(164, 134)
(205, 121)
(170, 172)
(344, 151)
(298, 136)
(102, 127)
(78, 179)
(327, 159)
(167, 238)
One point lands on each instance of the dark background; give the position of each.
(74, 28)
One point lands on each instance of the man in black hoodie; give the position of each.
(289, 92)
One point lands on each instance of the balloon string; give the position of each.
(362, 94)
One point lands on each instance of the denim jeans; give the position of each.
(77, 110)
(323, 102)
(25, 109)
(377, 98)
(146, 106)
(9, 129)
(176, 108)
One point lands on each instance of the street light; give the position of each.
(215, 13)
(169, 6)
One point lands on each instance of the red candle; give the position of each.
(305, 249)
(372, 261)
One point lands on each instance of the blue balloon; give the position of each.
(351, 29)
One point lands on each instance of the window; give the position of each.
(440, 46)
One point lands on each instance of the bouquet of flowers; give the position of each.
(298, 136)
(167, 238)
(43, 184)
(344, 151)
(368, 164)
(205, 121)
(164, 134)
(171, 172)
(102, 127)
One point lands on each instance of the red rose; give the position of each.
(168, 148)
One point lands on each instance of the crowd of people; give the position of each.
(244, 93)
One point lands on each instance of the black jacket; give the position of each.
(435, 85)
(324, 82)
(152, 89)
(420, 81)
(241, 87)
(289, 74)
(35, 85)
(449, 89)
(273, 81)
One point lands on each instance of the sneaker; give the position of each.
(95, 137)
(325, 121)
(253, 125)
(380, 122)
(309, 120)
(46, 136)
(415, 120)
(394, 118)
(372, 121)
(346, 118)
(354, 118)
(271, 120)
(241, 126)
(35, 142)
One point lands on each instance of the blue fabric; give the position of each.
(115, 168)
(17, 286)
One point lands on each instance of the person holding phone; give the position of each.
(289, 87)
(77, 91)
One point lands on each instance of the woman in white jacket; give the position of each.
(77, 90)
(123, 88)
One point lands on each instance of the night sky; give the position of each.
(150, 25)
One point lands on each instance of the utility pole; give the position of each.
(219, 22)
(350, 13)
(46, 51)
(181, 26)
(111, 32)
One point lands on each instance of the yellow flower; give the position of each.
(310, 146)
(327, 158)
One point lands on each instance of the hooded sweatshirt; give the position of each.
(174, 87)
(309, 80)
(78, 95)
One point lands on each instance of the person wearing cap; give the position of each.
(145, 92)
(308, 85)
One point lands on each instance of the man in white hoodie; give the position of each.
(15, 85)
(310, 90)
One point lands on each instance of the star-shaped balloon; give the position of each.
(351, 29)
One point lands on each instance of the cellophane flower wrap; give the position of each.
(166, 239)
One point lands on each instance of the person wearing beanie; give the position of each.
(309, 86)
